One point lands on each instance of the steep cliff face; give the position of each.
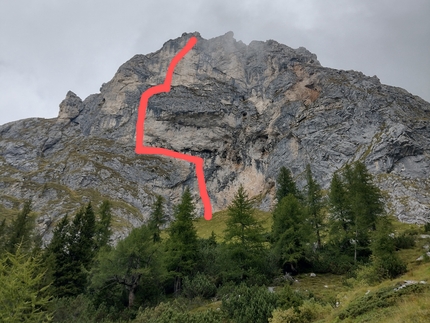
(246, 110)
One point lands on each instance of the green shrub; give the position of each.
(226, 289)
(81, 309)
(309, 311)
(198, 286)
(249, 304)
(329, 260)
(176, 313)
(287, 297)
(389, 266)
(383, 297)
(427, 227)
(385, 267)
(404, 241)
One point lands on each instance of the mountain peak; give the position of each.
(246, 110)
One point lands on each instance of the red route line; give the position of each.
(145, 150)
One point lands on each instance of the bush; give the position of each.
(198, 286)
(390, 267)
(404, 241)
(287, 298)
(176, 313)
(81, 309)
(427, 227)
(386, 267)
(226, 289)
(249, 304)
(309, 311)
(383, 297)
(329, 260)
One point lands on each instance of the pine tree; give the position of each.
(82, 234)
(72, 250)
(182, 244)
(58, 256)
(285, 185)
(244, 234)
(20, 230)
(157, 219)
(314, 204)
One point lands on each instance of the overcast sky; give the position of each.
(48, 47)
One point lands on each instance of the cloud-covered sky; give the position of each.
(48, 47)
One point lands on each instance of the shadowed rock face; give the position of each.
(246, 109)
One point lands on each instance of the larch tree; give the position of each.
(314, 204)
(182, 243)
(23, 293)
(366, 204)
(355, 204)
(290, 232)
(244, 233)
(103, 225)
(132, 263)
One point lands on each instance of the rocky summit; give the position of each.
(246, 110)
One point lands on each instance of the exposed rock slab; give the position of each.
(246, 109)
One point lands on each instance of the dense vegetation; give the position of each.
(176, 276)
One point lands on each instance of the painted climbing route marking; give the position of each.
(140, 125)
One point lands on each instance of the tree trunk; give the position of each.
(177, 286)
(355, 247)
(132, 286)
(318, 238)
(131, 297)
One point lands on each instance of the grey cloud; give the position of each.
(50, 47)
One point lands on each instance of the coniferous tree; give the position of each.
(132, 264)
(366, 204)
(385, 260)
(103, 225)
(82, 234)
(20, 230)
(285, 185)
(341, 221)
(182, 244)
(157, 218)
(340, 208)
(23, 296)
(3, 237)
(57, 256)
(314, 204)
(355, 204)
(290, 232)
(72, 250)
(244, 234)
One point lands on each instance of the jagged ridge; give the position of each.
(246, 109)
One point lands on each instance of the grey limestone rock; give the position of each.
(246, 110)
